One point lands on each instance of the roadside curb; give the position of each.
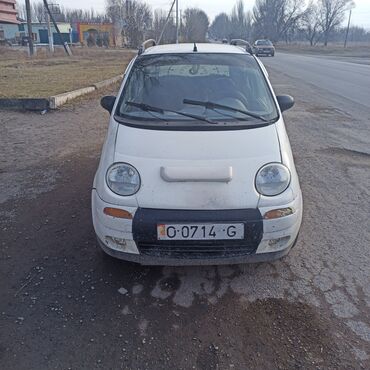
(60, 99)
(55, 101)
(105, 83)
(37, 104)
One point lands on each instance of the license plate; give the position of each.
(200, 231)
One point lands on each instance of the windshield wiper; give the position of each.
(214, 106)
(149, 108)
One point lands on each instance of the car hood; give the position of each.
(197, 169)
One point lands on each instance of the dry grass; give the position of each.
(45, 75)
(359, 50)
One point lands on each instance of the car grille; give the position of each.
(145, 233)
(195, 251)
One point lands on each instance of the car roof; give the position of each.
(189, 48)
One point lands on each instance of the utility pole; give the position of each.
(50, 35)
(177, 21)
(165, 24)
(180, 26)
(29, 27)
(65, 44)
(349, 24)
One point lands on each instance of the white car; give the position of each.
(196, 167)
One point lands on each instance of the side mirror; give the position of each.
(107, 102)
(285, 102)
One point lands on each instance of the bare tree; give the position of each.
(38, 12)
(332, 13)
(21, 9)
(274, 19)
(195, 25)
(62, 14)
(159, 21)
(240, 22)
(134, 18)
(139, 22)
(116, 10)
(221, 26)
(358, 34)
(311, 24)
(82, 15)
(237, 25)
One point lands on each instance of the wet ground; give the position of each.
(64, 304)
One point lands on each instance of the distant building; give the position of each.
(15, 32)
(40, 32)
(96, 34)
(8, 12)
(8, 19)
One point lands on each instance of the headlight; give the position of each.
(123, 179)
(272, 179)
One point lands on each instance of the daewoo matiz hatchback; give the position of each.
(196, 167)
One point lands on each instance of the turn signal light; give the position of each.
(278, 213)
(118, 213)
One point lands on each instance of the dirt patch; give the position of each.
(44, 75)
(354, 154)
(358, 50)
(267, 334)
(295, 333)
(170, 284)
(328, 112)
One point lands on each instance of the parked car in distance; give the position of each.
(243, 43)
(196, 167)
(264, 47)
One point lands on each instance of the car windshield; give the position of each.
(165, 87)
(264, 43)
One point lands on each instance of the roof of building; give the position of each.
(189, 48)
(44, 24)
(8, 12)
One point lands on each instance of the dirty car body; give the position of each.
(196, 167)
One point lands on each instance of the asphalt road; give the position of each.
(347, 79)
(63, 304)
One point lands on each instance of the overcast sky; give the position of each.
(361, 13)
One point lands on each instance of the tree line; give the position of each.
(288, 20)
(315, 21)
(61, 14)
(139, 22)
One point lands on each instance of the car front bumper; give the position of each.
(135, 240)
(265, 51)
